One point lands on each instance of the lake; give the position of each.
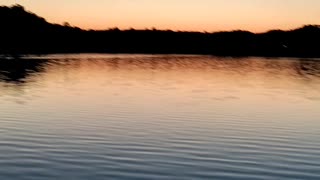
(114, 116)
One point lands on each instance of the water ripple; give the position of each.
(95, 116)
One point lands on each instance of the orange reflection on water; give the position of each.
(192, 83)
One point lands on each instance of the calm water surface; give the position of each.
(159, 117)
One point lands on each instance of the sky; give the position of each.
(186, 15)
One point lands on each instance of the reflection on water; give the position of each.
(15, 71)
(159, 117)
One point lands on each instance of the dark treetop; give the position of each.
(23, 32)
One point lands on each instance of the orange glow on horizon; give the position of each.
(187, 15)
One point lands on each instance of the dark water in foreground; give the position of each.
(159, 117)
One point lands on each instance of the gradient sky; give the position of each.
(194, 15)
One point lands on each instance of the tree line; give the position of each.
(23, 32)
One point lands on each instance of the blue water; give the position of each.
(95, 116)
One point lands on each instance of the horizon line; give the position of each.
(67, 24)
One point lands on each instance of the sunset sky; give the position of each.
(191, 15)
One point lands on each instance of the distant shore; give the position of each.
(23, 32)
